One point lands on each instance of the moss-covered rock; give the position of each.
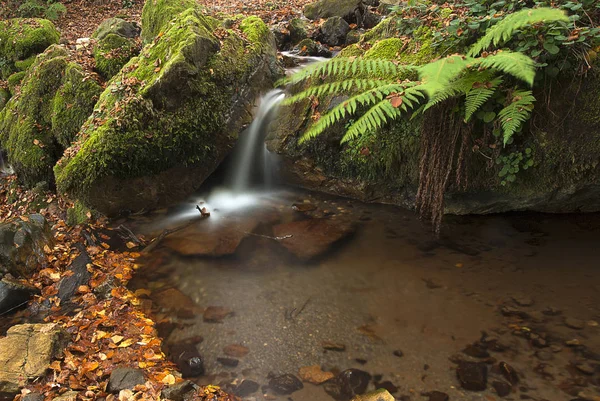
(562, 140)
(72, 104)
(22, 38)
(333, 31)
(170, 116)
(14, 81)
(299, 30)
(157, 13)
(346, 9)
(4, 97)
(116, 26)
(27, 122)
(78, 214)
(112, 53)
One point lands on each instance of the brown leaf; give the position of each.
(396, 101)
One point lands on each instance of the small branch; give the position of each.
(268, 236)
(154, 243)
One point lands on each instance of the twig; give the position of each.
(128, 234)
(268, 236)
(294, 313)
(154, 243)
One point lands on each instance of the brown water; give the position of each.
(390, 286)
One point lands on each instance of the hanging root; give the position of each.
(444, 135)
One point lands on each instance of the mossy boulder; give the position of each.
(562, 139)
(22, 38)
(323, 9)
(157, 13)
(112, 52)
(53, 101)
(116, 26)
(167, 120)
(299, 29)
(333, 31)
(14, 81)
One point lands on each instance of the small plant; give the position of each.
(512, 164)
(51, 9)
(127, 3)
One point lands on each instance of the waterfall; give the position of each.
(252, 162)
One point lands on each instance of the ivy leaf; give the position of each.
(551, 48)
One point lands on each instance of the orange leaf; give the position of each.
(396, 101)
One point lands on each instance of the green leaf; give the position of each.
(551, 48)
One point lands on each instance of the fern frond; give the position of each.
(516, 113)
(348, 68)
(438, 74)
(383, 112)
(364, 99)
(335, 87)
(516, 64)
(503, 30)
(476, 97)
(459, 87)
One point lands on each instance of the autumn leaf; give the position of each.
(396, 101)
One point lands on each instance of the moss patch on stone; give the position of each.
(112, 53)
(78, 214)
(27, 129)
(21, 38)
(14, 81)
(351, 51)
(157, 13)
(386, 49)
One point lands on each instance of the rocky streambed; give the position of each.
(319, 298)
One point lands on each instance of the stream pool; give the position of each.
(263, 286)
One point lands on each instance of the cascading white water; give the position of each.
(251, 147)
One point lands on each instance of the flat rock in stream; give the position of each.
(314, 374)
(14, 294)
(308, 239)
(207, 240)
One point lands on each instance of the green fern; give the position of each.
(516, 113)
(503, 30)
(516, 64)
(476, 97)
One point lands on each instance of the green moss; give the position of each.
(21, 38)
(73, 104)
(178, 97)
(351, 51)
(157, 13)
(115, 26)
(4, 97)
(298, 30)
(15, 80)
(78, 214)
(387, 49)
(112, 53)
(25, 64)
(27, 122)
(387, 28)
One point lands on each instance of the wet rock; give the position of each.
(285, 384)
(236, 350)
(476, 351)
(347, 9)
(229, 362)
(437, 396)
(245, 388)
(314, 374)
(432, 285)
(502, 388)
(177, 392)
(551, 311)
(199, 240)
(378, 395)
(472, 375)
(304, 207)
(187, 358)
(216, 314)
(298, 29)
(387, 385)
(309, 47)
(334, 31)
(398, 353)
(574, 323)
(331, 346)
(544, 355)
(362, 361)
(585, 368)
(22, 245)
(26, 353)
(309, 239)
(347, 384)
(125, 379)
(33, 397)
(522, 300)
(509, 373)
(67, 287)
(174, 301)
(510, 311)
(14, 295)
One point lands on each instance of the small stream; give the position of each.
(277, 279)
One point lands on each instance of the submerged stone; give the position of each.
(348, 384)
(308, 239)
(285, 384)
